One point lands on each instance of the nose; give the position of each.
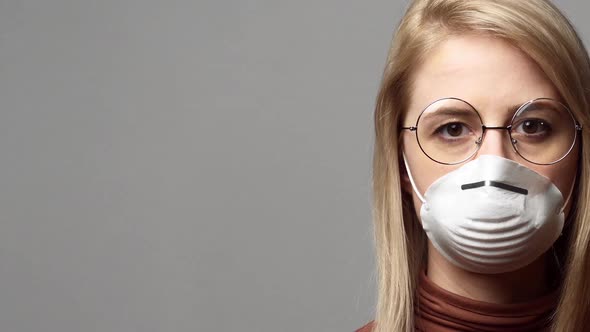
(496, 141)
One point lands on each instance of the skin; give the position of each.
(494, 77)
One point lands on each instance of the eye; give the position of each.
(452, 130)
(533, 127)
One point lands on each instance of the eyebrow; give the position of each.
(447, 110)
(512, 109)
(453, 110)
(542, 105)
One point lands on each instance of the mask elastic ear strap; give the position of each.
(569, 195)
(412, 179)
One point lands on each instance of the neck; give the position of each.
(530, 282)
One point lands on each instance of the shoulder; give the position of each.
(367, 328)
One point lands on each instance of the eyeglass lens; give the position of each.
(451, 130)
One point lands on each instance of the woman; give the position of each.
(480, 175)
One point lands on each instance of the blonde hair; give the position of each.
(540, 30)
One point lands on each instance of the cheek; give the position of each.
(424, 171)
(563, 173)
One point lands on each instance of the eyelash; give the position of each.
(440, 130)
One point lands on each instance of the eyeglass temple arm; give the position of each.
(410, 128)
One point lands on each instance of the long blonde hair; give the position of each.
(539, 29)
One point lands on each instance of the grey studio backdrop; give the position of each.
(190, 165)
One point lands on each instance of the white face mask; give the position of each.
(491, 215)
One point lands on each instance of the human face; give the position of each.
(493, 76)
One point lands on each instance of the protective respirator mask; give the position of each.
(491, 215)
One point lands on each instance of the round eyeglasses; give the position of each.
(449, 131)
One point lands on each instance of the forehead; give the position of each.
(489, 73)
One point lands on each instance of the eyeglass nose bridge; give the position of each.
(483, 133)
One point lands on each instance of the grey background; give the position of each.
(189, 165)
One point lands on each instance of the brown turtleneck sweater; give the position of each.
(438, 310)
